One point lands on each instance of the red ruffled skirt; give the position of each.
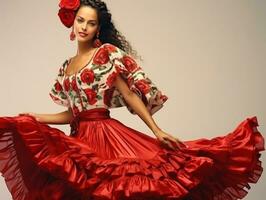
(104, 159)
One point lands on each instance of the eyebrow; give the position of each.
(89, 20)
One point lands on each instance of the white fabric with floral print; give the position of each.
(92, 86)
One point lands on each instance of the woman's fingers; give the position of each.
(175, 141)
(27, 113)
(168, 141)
(181, 144)
(21, 114)
(30, 114)
(178, 143)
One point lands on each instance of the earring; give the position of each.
(72, 35)
(97, 42)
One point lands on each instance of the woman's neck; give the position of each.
(84, 47)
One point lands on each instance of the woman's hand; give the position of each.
(30, 114)
(169, 141)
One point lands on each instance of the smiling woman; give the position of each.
(102, 158)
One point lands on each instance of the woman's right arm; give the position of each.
(57, 118)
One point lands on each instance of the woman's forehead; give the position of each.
(87, 13)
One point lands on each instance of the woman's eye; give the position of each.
(80, 20)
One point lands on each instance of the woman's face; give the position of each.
(86, 21)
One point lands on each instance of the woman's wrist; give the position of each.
(156, 130)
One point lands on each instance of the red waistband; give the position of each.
(93, 114)
(88, 115)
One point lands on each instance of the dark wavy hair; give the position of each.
(108, 32)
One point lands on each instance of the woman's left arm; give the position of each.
(138, 106)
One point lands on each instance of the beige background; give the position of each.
(207, 56)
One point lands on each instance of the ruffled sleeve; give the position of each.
(136, 79)
(57, 92)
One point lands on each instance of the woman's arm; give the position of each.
(138, 106)
(57, 118)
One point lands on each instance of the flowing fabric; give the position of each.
(103, 159)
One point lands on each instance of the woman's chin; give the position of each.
(82, 39)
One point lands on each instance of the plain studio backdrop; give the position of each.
(207, 56)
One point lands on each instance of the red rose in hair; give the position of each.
(87, 76)
(101, 57)
(143, 86)
(66, 16)
(69, 4)
(91, 95)
(58, 87)
(66, 84)
(111, 78)
(129, 63)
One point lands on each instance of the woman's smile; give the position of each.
(82, 34)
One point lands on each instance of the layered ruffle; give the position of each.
(25, 179)
(219, 168)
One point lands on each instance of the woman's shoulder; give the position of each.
(114, 51)
(107, 44)
(111, 48)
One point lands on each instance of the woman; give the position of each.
(103, 158)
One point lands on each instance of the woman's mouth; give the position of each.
(82, 34)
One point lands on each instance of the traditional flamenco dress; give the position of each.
(103, 159)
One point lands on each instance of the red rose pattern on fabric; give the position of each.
(67, 84)
(130, 63)
(87, 76)
(58, 87)
(143, 85)
(55, 98)
(74, 85)
(57, 92)
(101, 57)
(110, 48)
(94, 85)
(91, 95)
(111, 78)
(137, 81)
(75, 110)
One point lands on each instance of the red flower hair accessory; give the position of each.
(67, 10)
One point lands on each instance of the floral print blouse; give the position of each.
(92, 86)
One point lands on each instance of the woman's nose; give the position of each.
(84, 27)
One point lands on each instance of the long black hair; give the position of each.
(108, 32)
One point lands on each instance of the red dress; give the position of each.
(103, 159)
